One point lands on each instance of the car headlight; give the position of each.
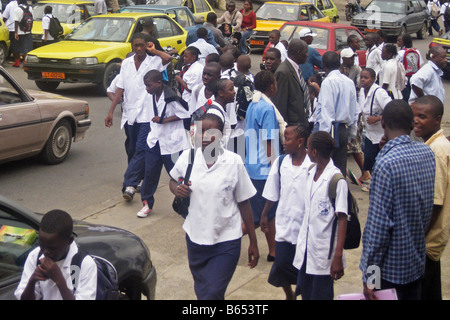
(84, 61)
(359, 21)
(389, 24)
(31, 59)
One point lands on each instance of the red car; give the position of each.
(330, 36)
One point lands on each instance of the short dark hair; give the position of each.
(351, 37)
(213, 117)
(323, 142)
(276, 51)
(263, 80)
(153, 76)
(202, 33)
(331, 60)
(397, 114)
(372, 72)
(57, 221)
(436, 104)
(48, 9)
(193, 50)
(211, 17)
(391, 49)
(407, 40)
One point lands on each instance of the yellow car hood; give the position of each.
(269, 25)
(67, 50)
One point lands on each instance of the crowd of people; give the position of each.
(268, 164)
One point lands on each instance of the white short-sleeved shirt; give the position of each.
(8, 14)
(205, 49)
(47, 290)
(428, 78)
(373, 59)
(214, 215)
(315, 231)
(388, 75)
(290, 194)
(172, 135)
(198, 98)
(374, 132)
(280, 46)
(46, 25)
(132, 82)
(17, 16)
(192, 77)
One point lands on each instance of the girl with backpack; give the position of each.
(320, 262)
(285, 186)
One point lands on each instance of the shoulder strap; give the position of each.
(373, 98)
(332, 195)
(280, 161)
(189, 168)
(155, 109)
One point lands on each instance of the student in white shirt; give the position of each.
(428, 81)
(135, 117)
(47, 274)
(47, 37)
(319, 269)
(192, 72)
(373, 53)
(274, 39)
(167, 137)
(285, 185)
(372, 100)
(24, 38)
(201, 94)
(389, 72)
(202, 45)
(219, 190)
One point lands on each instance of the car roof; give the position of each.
(65, 1)
(289, 2)
(134, 15)
(154, 7)
(318, 24)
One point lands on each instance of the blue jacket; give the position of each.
(314, 59)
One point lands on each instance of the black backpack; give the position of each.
(55, 29)
(197, 114)
(26, 23)
(107, 278)
(244, 94)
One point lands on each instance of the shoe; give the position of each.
(16, 64)
(129, 192)
(441, 32)
(138, 188)
(145, 211)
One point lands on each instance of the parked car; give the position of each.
(4, 42)
(70, 14)
(38, 123)
(182, 15)
(91, 53)
(443, 41)
(394, 17)
(126, 251)
(197, 7)
(327, 7)
(272, 15)
(330, 36)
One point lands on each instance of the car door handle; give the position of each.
(179, 41)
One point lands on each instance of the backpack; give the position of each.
(55, 29)
(197, 114)
(411, 61)
(26, 23)
(244, 88)
(353, 235)
(107, 278)
(447, 12)
(434, 9)
(400, 81)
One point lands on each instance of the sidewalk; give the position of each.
(162, 232)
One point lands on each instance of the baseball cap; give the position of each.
(306, 32)
(347, 53)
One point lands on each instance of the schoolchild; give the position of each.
(319, 264)
(47, 273)
(167, 136)
(285, 186)
(219, 190)
(191, 73)
(201, 94)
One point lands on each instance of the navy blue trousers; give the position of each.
(212, 267)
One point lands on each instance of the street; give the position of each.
(88, 186)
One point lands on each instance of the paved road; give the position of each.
(88, 186)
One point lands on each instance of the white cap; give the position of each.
(347, 53)
(306, 32)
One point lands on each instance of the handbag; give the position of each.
(181, 205)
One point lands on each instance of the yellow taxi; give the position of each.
(91, 53)
(272, 15)
(70, 14)
(4, 42)
(197, 7)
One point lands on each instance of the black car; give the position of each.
(394, 17)
(127, 252)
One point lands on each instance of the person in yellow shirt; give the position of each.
(428, 112)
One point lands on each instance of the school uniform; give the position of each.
(428, 78)
(46, 26)
(372, 104)
(213, 225)
(285, 185)
(135, 117)
(192, 77)
(47, 290)
(164, 143)
(373, 59)
(388, 75)
(313, 243)
(198, 97)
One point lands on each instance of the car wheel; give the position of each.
(111, 71)
(58, 144)
(423, 32)
(47, 85)
(3, 53)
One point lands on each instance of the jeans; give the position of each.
(433, 25)
(245, 36)
(447, 26)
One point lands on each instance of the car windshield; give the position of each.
(66, 13)
(168, 2)
(320, 42)
(272, 11)
(387, 7)
(103, 29)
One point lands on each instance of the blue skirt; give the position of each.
(212, 267)
(258, 202)
(283, 272)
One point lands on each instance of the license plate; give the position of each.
(257, 42)
(53, 75)
(371, 30)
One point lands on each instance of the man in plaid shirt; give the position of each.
(400, 207)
